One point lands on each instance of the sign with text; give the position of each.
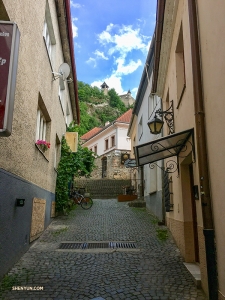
(9, 48)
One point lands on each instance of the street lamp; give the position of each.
(155, 125)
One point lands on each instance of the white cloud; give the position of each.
(74, 28)
(134, 92)
(91, 61)
(100, 54)
(114, 82)
(123, 69)
(119, 42)
(126, 40)
(75, 5)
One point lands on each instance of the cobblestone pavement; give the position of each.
(154, 270)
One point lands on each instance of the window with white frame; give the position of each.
(47, 39)
(48, 33)
(151, 104)
(67, 115)
(61, 97)
(41, 127)
(140, 128)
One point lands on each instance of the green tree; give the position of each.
(115, 101)
(80, 163)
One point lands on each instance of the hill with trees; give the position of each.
(96, 108)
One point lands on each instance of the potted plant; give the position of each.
(43, 145)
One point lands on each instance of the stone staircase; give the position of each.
(102, 188)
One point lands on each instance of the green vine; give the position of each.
(80, 163)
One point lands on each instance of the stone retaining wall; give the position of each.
(102, 188)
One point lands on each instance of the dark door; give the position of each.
(104, 167)
(194, 214)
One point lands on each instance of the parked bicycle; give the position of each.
(85, 202)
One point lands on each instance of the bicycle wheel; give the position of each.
(86, 203)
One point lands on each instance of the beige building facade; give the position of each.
(189, 70)
(45, 103)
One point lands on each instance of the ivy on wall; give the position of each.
(80, 163)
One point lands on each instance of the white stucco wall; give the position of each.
(122, 142)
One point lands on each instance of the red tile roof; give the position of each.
(91, 133)
(126, 117)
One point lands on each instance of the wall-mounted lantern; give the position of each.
(124, 157)
(155, 125)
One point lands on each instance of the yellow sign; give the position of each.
(72, 140)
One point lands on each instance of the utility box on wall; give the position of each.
(9, 51)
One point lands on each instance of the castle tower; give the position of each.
(105, 88)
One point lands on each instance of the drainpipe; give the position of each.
(208, 227)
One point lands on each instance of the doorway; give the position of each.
(104, 167)
(188, 201)
(194, 214)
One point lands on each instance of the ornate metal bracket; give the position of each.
(170, 166)
(168, 116)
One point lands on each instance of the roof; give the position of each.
(126, 117)
(91, 133)
(104, 85)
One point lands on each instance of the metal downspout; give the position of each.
(208, 227)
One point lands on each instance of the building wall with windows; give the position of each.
(110, 143)
(43, 107)
(196, 86)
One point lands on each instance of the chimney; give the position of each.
(107, 123)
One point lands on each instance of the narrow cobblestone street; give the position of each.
(154, 270)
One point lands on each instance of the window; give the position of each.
(106, 144)
(48, 33)
(140, 128)
(90, 149)
(113, 141)
(180, 67)
(151, 104)
(67, 115)
(61, 97)
(47, 39)
(43, 123)
(95, 149)
(41, 126)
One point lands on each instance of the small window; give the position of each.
(67, 115)
(90, 149)
(106, 144)
(180, 67)
(151, 104)
(48, 33)
(47, 39)
(95, 149)
(140, 128)
(61, 97)
(43, 126)
(113, 141)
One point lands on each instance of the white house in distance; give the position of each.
(113, 147)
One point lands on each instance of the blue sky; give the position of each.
(111, 41)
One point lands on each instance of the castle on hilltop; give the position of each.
(127, 98)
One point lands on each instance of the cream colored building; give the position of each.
(110, 143)
(189, 70)
(44, 105)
